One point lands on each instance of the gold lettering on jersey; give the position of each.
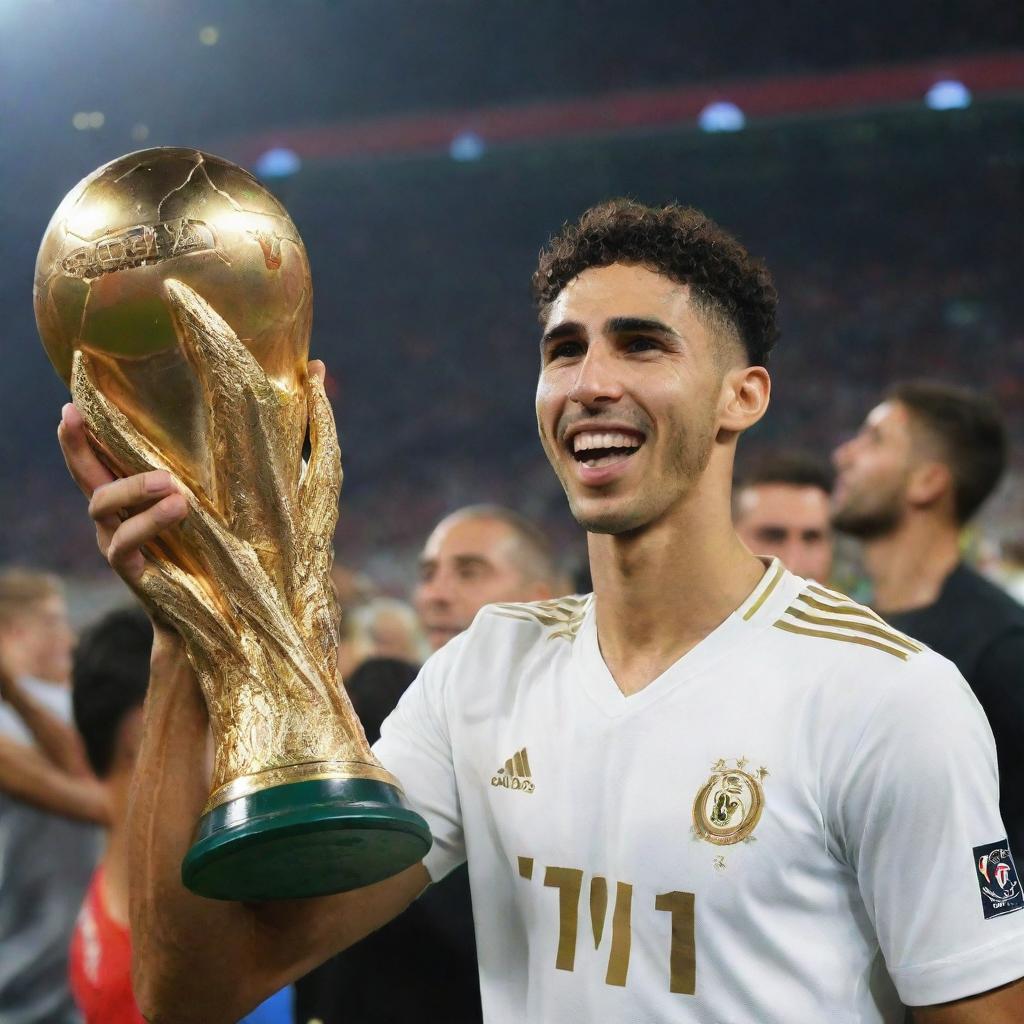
(682, 959)
(728, 806)
(598, 907)
(622, 936)
(569, 883)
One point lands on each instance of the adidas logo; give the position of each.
(515, 774)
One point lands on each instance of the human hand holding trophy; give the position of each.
(173, 295)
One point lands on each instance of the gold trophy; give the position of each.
(172, 293)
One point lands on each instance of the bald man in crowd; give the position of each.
(781, 509)
(477, 555)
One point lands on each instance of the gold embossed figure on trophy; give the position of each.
(172, 294)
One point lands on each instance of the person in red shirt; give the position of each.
(109, 680)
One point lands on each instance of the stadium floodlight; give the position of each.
(722, 117)
(466, 146)
(278, 163)
(948, 95)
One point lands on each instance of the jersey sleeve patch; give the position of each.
(997, 879)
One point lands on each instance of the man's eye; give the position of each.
(565, 350)
(641, 344)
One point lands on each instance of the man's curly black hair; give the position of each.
(678, 241)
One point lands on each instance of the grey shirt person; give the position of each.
(46, 862)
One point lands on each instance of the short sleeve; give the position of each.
(414, 745)
(915, 810)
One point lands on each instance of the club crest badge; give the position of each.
(728, 806)
(997, 879)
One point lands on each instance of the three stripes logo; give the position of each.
(515, 773)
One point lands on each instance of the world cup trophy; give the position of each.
(173, 295)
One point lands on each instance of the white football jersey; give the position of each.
(795, 822)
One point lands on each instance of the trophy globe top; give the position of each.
(171, 214)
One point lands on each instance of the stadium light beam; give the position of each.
(722, 116)
(948, 95)
(467, 146)
(278, 163)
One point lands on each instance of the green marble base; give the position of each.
(303, 839)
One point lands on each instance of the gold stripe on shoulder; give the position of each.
(846, 609)
(847, 606)
(790, 627)
(562, 616)
(857, 627)
(756, 606)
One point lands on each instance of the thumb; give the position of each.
(316, 368)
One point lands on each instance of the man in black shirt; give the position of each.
(924, 461)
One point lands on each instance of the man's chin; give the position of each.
(864, 526)
(612, 520)
(438, 636)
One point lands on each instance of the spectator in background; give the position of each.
(781, 510)
(111, 675)
(923, 463)
(478, 555)
(391, 630)
(46, 857)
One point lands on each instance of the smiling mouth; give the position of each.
(595, 449)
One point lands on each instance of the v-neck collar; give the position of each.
(764, 604)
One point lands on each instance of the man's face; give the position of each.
(626, 401)
(872, 473)
(38, 642)
(465, 564)
(788, 522)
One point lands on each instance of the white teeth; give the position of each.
(589, 439)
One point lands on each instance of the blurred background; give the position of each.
(872, 154)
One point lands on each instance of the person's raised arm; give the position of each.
(26, 775)
(198, 961)
(56, 739)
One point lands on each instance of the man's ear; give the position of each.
(928, 483)
(744, 398)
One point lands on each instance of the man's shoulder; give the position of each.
(557, 618)
(845, 631)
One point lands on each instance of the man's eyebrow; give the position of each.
(615, 325)
(638, 325)
(570, 329)
(465, 561)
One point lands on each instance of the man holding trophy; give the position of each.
(709, 791)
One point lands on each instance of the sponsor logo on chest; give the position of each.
(515, 774)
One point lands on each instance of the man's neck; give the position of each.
(662, 590)
(909, 566)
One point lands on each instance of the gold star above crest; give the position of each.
(742, 762)
(719, 765)
(762, 773)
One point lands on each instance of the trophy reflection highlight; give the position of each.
(173, 295)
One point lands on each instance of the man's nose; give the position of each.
(434, 591)
(597, 382)
(843, 454)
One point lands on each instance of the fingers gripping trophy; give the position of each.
(172, 293)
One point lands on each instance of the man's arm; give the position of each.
(59, 741)
(28, 776)
(208, 961)
(198, 961)
(1000, 1006)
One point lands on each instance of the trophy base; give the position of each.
(302, 839)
